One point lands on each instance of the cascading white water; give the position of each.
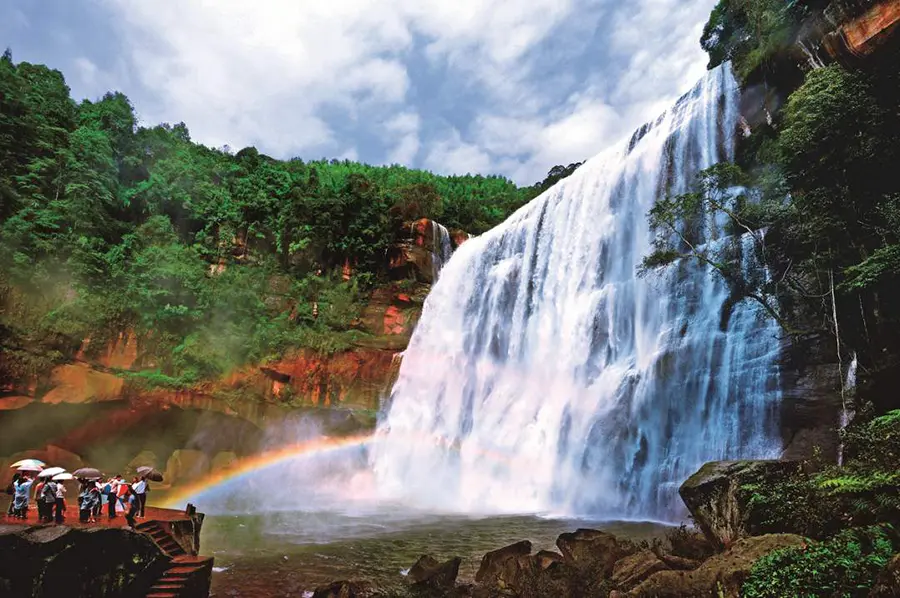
(546, 376)
(441, 250)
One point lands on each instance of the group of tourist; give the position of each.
(50, 498)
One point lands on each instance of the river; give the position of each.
(290, 553)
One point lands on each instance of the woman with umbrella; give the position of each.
(142, 487)
(22, 491)
(88, 500)
(21, 485)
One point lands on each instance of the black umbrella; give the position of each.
(87, 473)
(150, 473)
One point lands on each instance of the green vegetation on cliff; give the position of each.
(813, 183)
(846, 565)
(214, 258)
(813, 188)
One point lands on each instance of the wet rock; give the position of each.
(678, 563)
(429, 573)
(545, 558)
(690, 544)
(186, 464)
(633, 569)
(493, 562)
(80, 383)
(539, 576)
(143, 459)
(62, 561)
(714, 498)
(344, 589)
(888, 583)
(223, 460)
(592, 551)
(719, 577)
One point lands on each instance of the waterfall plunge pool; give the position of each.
(291, 553)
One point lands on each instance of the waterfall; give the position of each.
(546, 376)
(847, 415)
(441, 250)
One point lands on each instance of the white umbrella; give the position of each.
(62, 477)
(51, 471)
(29, 465)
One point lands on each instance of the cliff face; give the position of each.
(90, 412)
(857, 38)
(813, 369)
(64, 561)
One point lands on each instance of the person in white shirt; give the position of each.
(60, 502)
(140, 491)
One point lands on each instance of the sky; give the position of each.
(510, 87)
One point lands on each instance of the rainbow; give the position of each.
(319, 446)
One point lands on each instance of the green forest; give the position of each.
(107, 225)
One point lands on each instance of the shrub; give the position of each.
(844, 566)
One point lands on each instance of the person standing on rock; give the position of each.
(131, 502)
(112, 492)
(11, 490)
(39, 499)
(22, 490)
(60, 502)
(85, 501)
(97, 508)
(48, 497)
(140, 489)
(122, 492)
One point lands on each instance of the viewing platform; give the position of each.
(160, 558)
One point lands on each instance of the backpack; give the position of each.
(106, 489)
(48, 492)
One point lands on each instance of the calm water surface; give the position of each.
(288, 554)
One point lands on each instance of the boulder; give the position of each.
(719, 577)
(888, 583)
(545, 558)
(186, 464)
(678, 563)
(633, 569)
(493, 562)
(688, 543)
(63, 561)
(80, 383)
(143, 459)
(542, 575)
(713, 495)
(223, 460)
(592, 551)
(429, 573)
(343, 589)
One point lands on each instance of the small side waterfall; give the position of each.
(847, 415)
(546, 376)
(442, 250)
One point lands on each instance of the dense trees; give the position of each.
(106, 226)
(818, 179)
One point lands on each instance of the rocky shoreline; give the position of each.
(716, 559)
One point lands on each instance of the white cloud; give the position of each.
(452, 155)
(315, 78)
(405, 127)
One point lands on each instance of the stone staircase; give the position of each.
(161, 537)
(185, 576)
